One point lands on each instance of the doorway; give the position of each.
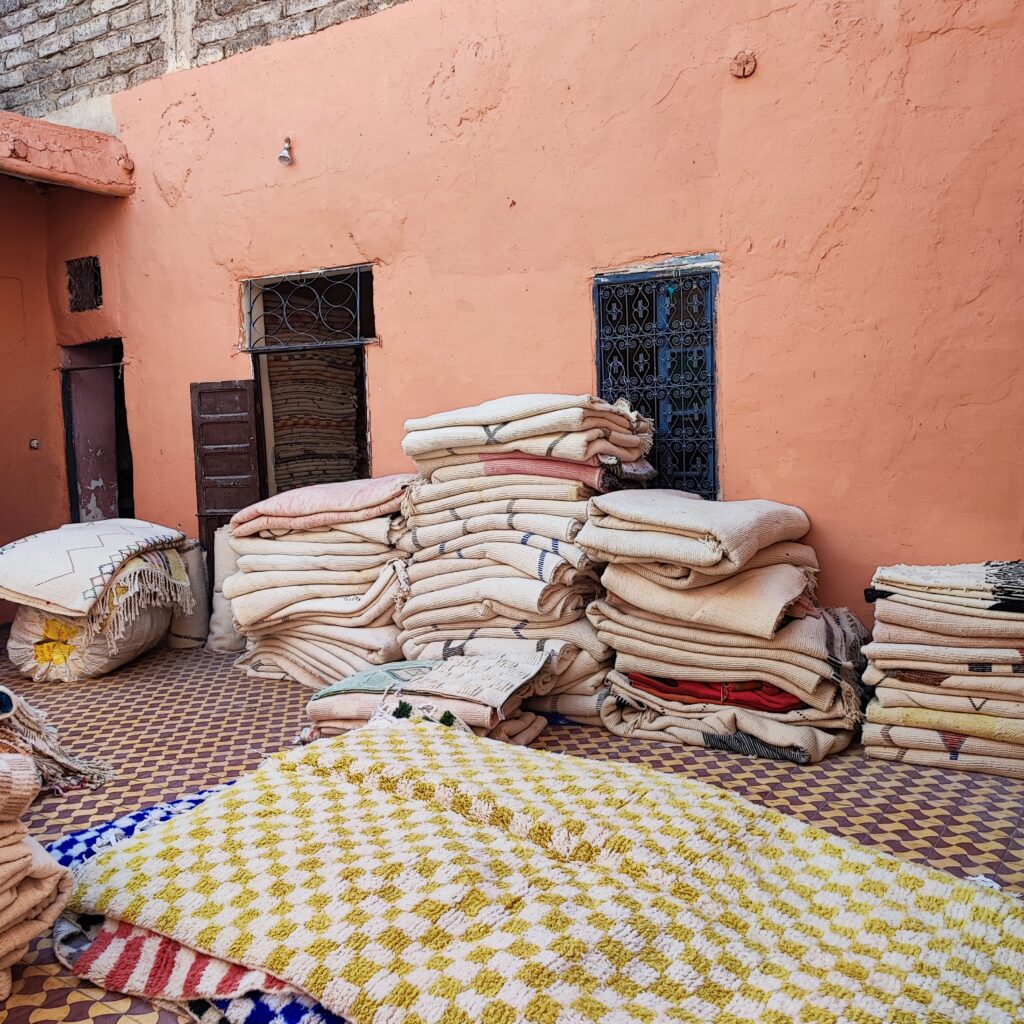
(96, 440)
(307, 334)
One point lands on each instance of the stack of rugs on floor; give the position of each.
(718, 638)
(316, 580)
(483, 692)
(95, 595)
(490, 530)
(947, 661)
(34, 888)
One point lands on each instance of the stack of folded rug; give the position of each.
(93, 596)
(719, 641)
(490, 527)
(947, 659)
(484, 692)
(316, 580)
(34, 888)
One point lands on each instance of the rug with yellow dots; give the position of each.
(175, 723)
(411, 872)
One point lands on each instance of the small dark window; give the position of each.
(656, 348)
(85, 286)
(325, 307)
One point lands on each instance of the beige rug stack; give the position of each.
(718, 638)
(316, 580)
(34, 888)
(490, 527)
(947, 661)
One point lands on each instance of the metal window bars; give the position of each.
(656, 348)
(85, 284)
(320, 309)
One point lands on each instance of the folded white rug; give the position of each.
(673, 526)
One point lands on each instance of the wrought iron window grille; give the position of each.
(320, 309)
(85, 284)
(656, 349)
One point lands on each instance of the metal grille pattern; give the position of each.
(655, 348)
(85, 286)
(331, 308)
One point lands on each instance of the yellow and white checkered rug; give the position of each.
(408, 873)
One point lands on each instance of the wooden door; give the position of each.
(224, 429)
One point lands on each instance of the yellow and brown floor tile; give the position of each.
(174, 723)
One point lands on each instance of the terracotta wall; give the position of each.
(863, 188)
(34, 494)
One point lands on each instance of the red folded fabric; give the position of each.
(753, 695)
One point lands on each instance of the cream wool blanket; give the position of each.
(307, 508)
(287, 548)
(314, 563)
(632, 713)
(522, 407)
(423, 494)
(1004, 730)
(69, 571)
(317, 662)
(499, 560)
(932, 739)
(580, 633)
(474, 846)
(372, 531)
(919, 655)
(991, 581)
(574, 446)
(552, 492)
(753, 602)
(976, 704)
(250, 582)
(268, 609)
(682, 577)
(533, 506)
(1003, 766)
(985, 628)
(673, 526)
(889, 633)
(952, 744)
(584, 708)
(994, 683)
(560, 528)
(518, 594)
(470, 546)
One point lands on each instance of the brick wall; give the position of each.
(56, 52)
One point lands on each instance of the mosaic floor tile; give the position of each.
(173, 723)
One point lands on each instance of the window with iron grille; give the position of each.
(656, 348)
(324, 308)
(307, 334)
(85, 286)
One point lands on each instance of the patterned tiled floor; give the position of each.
(174, 723)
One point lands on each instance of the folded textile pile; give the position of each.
(93, 596)
(523, 885)
(34, 888)
(485, 692)
(25, 730)
(947, 661)
(718, 639)
(490, 532)
(316, 580)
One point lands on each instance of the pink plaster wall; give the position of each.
(34, 493)
(863, 189)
